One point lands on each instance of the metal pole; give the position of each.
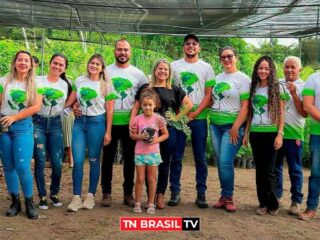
(300, 47)
(42, 52)
(25, 39)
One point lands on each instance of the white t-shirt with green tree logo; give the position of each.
(312, 88)
(15, 96)
(54, 96)
(90, 96)
(228, 92)
(261, 120)
(126, 82)
(193, 78)
(293, 121)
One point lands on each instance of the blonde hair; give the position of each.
(30, 84)
(103, 77)
(153, 76)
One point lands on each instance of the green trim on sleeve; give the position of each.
(244, 96)
(210, 83)
(111, 96)
(308, 92)
(1, 89)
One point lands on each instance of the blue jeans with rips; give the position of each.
(225, 153)
(16, 148)
(88, 131)
(48, 138)
(314, 179)
(199, 135)
(293, 154)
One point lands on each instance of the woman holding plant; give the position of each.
(173, 99)
(48, 136)
(227, 117)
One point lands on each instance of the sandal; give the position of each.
(137, 208)
(151, 209)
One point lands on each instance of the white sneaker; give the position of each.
(88, 203)
(75, 204)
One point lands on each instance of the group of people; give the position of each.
(107, 100)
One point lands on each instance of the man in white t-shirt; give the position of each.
(126, 80)
(196, 78)
(292, 147)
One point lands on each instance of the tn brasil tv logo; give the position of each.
(159, 224)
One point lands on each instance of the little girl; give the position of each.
(145, 128)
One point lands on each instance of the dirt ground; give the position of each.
(103, 223)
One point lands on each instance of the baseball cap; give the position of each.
(191, 36)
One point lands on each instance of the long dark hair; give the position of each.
(273, 89)
(63, 75)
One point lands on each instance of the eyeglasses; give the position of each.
(191, 43)
(226, 57)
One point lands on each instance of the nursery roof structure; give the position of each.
(216, 18)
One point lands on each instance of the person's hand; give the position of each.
(77, 109)
(107, 139)
(278, 142)
(234, 135)
(291, 87)
(145, 136)
(245, 140)
(192, 115)
(6, 121)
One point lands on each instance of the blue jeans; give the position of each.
(293, 153)
(167, 150)
(88, 131)
(199, 135)
(48, 137)
(314, 179)
(16, 148)
(225, 153)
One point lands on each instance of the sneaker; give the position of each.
(151, 209)
(294, 208)
(274, 212)
(55, 201)
(280, 202)
(174, 200)
(160, 201)
(261, 211)
(307, 215)
(106, 200)
(88, 203)
(43, 204)
(201, 201)
(221, 202)
(229, 205)
(137, 208)
(129, 200)
(75, 204)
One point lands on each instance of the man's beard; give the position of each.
(191, 55)
(118, 59)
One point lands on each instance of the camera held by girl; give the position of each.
(148, 129)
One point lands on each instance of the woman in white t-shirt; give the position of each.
(92, 129)
(48, 135)
(265, 124)
(227, 117)
(18, 102)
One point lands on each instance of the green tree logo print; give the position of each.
(188, 79)
(86, 95)
(18, 98)
(121, 85)
(259, 101)
(219, 89)
(50, 96)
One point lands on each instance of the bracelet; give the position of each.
(281, 132)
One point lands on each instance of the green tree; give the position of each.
(259, 101)
(18, 98)
(50, 95)
(188, 78)
(87, 94)
(121, 85)
(219, 89)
